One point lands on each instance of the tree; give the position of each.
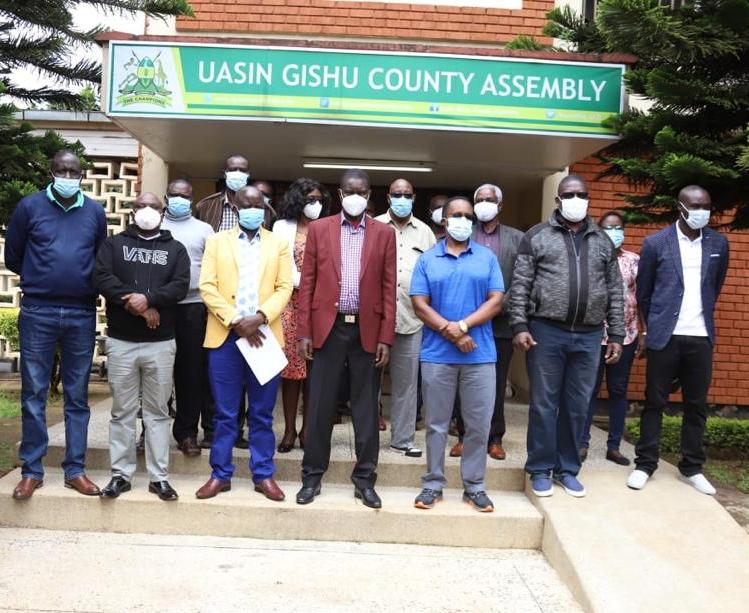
(40, 35)
(693, 64)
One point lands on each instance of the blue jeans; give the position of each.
(562, 371)
(617, 381)
(41, 329)
(230, 375)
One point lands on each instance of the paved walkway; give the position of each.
(74, 571)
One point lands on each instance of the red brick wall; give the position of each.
(731, 361)
(367, 19)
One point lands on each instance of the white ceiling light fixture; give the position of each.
(372, 165)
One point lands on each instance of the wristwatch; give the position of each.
(264, 316)
(463, 326)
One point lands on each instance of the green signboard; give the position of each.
(362, 88)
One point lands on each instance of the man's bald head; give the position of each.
(148, 199)
(693, 193)
(401, 185)
(249, 197)
(572, 183)
(180, 187)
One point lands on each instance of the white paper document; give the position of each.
(266, 361)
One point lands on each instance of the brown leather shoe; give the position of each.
(83, 485)
(189, 446)
(457, 450)
(269, 488)
(26, 487)
(213, 487)
(496, 452)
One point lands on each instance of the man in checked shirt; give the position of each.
(346, 313)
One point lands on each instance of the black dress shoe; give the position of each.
(307, 494)
(369, 497)
(241, 443)
(163, 490)
(206, 442)
(115, 487)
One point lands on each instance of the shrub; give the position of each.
(9, 327)
(721, 433)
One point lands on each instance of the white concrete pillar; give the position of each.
(550, 191)
(154, 173)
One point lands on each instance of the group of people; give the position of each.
(443, 303)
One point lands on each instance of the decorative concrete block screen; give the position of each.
(113, 183)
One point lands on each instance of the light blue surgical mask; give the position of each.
(695, 218)
(177, 206)
(459, 228)
(616, 235)
(402, 206)
(251, 219)
(67, 188)
(236, 179)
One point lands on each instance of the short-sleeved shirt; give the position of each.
(457, 287)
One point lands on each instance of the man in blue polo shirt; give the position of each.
(51, 243)
(457, 290)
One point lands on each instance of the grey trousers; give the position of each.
(404, 375)
(140, 371)
(477, 386)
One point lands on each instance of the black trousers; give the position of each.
(325, 375)
(191, 373)
(690, 358)
(498, 427)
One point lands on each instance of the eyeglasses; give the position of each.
(463, 215)
(569, 195)
(612, 227)
(401, 195)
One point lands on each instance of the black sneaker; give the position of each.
(427, 498)
(479, 501)
(411, 452)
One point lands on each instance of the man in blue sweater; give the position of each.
(51, 243)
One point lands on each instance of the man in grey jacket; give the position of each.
(566, 285)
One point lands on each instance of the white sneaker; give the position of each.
(700, 483)
(637, 479)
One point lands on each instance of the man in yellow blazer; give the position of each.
(245, 282)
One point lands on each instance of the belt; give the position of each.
(347, 318)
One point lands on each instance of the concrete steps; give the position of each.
(334, 516)
(394, 470)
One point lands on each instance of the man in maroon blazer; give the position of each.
(346, 313)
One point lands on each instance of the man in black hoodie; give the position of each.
(142, 273)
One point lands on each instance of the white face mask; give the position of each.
(460, 228)
(312, 210)
(147, 218)
(486, 211)
(354, 204)
(698, 218)
(437, 216)
(574, 209)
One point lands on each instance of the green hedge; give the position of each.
(9, 327)
(721, 433)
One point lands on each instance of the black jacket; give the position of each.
(158, 268)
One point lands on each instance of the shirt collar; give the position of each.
(78, 200)
(362, 223)
(482, 230)
(681, 236)
(410, 221)
(442, 248)
(243, 235)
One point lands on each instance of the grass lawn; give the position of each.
(9, 405)
(728, 473)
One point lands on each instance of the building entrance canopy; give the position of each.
(456, 115)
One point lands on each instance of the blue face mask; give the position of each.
(251, 219)
(616, 235)
(67, 188)
(236, 179)
(402, 206)
(177, 206)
